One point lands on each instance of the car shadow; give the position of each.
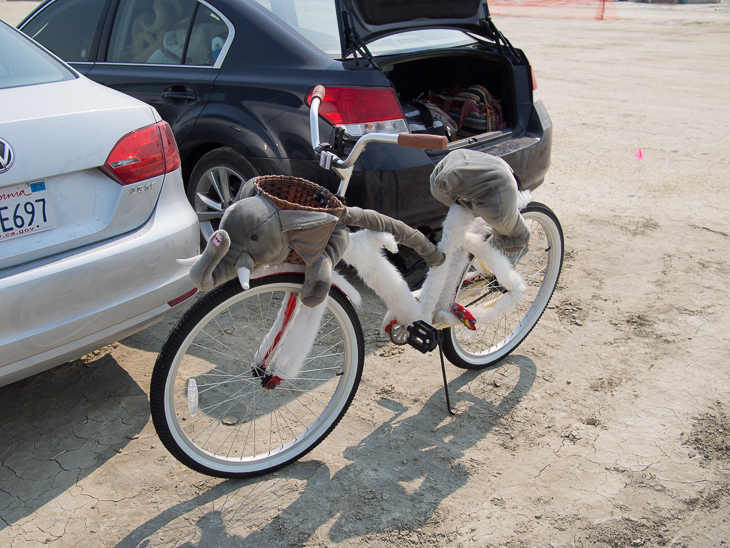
(60, 426)
(395, 480)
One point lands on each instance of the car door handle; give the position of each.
(178, 95)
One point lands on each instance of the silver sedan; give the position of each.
(92, 213)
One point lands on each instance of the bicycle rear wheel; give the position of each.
(539, 264)
(207, 401)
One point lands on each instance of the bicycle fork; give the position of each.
(289, 341)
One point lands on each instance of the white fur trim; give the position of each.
(434, 293)
(266, 345)
(297, 340)
(298, 337)
(347, 288)
(364, 253)
(523, 198)
(464, 233)
(506, 275)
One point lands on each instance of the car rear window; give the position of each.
(316, 20)
(66, 28)
(418, 40)
(23, 63)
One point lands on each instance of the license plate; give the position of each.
(25, 209)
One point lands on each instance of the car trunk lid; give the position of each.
(368, 20)
(54, 197)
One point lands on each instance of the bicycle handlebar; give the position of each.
(371, 219)
(318, 92)
(422, 141)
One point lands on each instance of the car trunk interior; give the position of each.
(414, 78)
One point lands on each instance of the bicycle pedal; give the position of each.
(422, 336)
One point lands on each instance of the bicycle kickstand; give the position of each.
(425, 338)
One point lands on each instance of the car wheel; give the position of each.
(215, 183)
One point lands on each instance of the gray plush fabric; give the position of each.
(205, 273)
(255, 232)
(403, 234)
(485, 185)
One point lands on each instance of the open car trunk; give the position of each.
(446, 74)
(481, 64)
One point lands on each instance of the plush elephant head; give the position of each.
(255, 232)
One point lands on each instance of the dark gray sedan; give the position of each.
(232, 78)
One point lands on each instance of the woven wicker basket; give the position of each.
(296, 193)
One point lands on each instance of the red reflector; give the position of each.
(182, 298)
(143, 154)
(358, 105)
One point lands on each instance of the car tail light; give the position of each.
(169, 147)
(534, 80)
(362, 110)
(143, 154)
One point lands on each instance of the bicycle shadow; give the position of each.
(414, 459)
(396, 479)
(59, 427)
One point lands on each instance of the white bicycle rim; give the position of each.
(540, 267)
(221, 418)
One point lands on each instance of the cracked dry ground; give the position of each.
(608, 427)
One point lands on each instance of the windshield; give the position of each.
(23, 63)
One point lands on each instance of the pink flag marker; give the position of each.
(639, 155)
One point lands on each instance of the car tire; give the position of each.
(215, 183)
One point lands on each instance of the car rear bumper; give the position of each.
(60, 308)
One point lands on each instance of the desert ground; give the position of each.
(609, 426)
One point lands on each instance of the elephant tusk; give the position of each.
(189, 261)
(244, 274)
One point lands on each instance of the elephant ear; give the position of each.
(308, 231)
(301, 219)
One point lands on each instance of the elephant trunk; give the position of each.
(202, 272)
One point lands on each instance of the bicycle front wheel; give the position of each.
(207, 400)
(539, 264)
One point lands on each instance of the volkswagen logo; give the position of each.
(6, 156)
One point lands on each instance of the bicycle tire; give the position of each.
(228, 425)
(540, 267)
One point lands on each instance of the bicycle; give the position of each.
(219, 410)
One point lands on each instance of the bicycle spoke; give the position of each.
(539, 267)
(226, 422)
